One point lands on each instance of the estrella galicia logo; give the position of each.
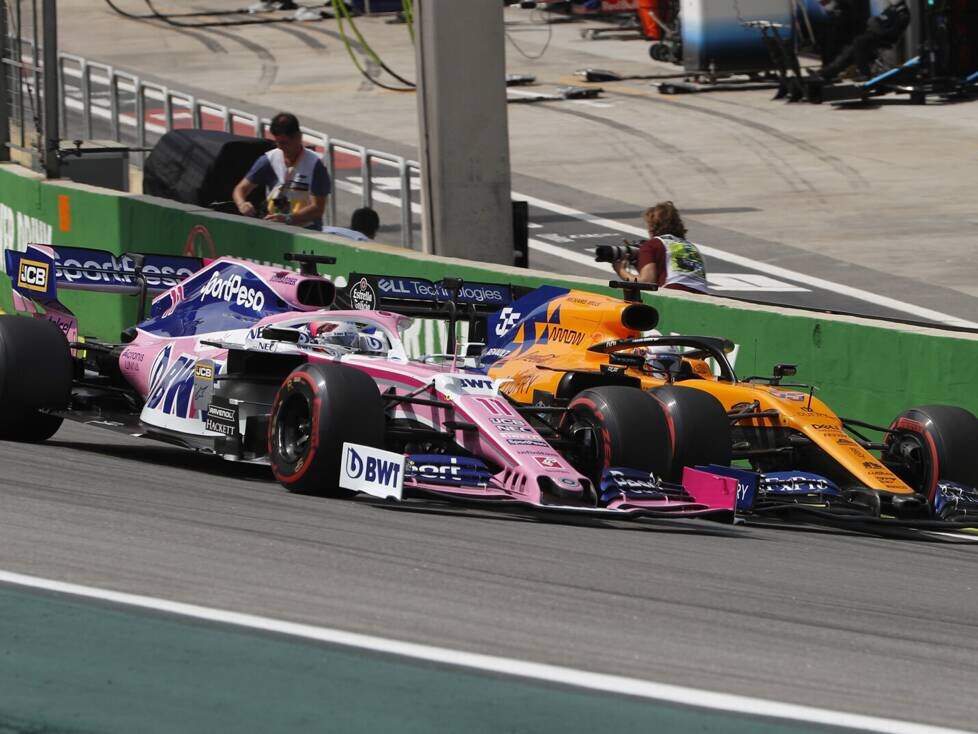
(362, 296)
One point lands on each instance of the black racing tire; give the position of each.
(318, 408)
(700, 428)
(36, 372)
(934, 442)
(616, 425)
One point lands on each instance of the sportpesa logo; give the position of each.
(33, 275)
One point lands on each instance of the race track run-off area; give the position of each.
(147, 587)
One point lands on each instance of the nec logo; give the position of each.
(33, 275)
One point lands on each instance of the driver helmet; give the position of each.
(339, 333)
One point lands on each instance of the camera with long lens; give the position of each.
(610, 253)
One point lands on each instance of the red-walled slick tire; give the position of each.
(319, 407)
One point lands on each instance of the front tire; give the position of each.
(319, 407)
(700, 428)
(933, 442)
(36, 372)
(615, 425)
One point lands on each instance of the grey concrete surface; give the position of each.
(854, 623)
(887, 187)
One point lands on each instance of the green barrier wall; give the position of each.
(863, 370)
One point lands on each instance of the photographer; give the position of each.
(666, 258)
(295, 180)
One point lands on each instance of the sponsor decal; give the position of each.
(231, 290)
(284, 277)
(425, 290)
(908, 424)
(525, 428)
(362, 296)
(538, 358)
(846, 442)
(508, 318)
(508, 421)
(798, 397)
(527, 442)
(568, 482)
(33, 275)
(447, 470)
(565, 336)
(549, 463)
(496, 353)
(476, 385)
(519, 383)
(796, 483)
(372, 471)
(204, 373)
(222, 417)
(824, 427)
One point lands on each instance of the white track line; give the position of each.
(772, 270)
(681, 695)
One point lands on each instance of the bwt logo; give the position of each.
(33, 275)
(376, 471)
(474, 383)
(507, 320)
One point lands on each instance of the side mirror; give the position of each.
(280, 334)
(784, 370)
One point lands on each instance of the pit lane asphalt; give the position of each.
(818, 617)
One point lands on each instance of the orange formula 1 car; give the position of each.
(556, 346)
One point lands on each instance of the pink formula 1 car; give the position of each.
(249, 363)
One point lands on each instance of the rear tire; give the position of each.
(936, 442)
(318, 408)
(36, 372)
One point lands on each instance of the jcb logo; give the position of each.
(33, 275)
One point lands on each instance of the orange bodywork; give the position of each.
(554, 341)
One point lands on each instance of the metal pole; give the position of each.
(18, 76)
(52, 136)
(4, 92)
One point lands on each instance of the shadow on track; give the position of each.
(530, 516)
(160, 454)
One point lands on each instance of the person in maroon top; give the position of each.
(667, 258)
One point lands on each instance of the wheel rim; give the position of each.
(908, 454)
(588, 451)
(293, 429)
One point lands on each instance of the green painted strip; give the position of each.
(68, 665)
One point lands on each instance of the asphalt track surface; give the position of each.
(838, 620)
